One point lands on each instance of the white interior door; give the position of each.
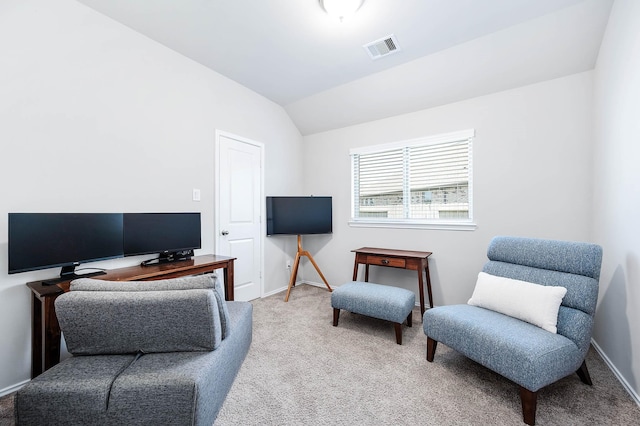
(239, 211)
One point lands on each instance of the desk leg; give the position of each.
(366, 272)
(52, 334)
(45, 335)
(228, 281)
(37, 336)
(355, 271)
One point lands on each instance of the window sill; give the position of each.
(443, 225)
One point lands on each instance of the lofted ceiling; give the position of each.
(293, 53)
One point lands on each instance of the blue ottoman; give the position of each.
(374, 300)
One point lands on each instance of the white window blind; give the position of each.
(425, 181)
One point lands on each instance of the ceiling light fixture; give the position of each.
(341, 9)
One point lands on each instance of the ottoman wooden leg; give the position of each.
(398, 328)
(336, 316)
(410, 319)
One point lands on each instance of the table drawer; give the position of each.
(387, 261)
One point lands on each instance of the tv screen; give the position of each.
(48, 240)
(299, 215)
(147, 233)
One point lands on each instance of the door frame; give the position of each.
(216, 198)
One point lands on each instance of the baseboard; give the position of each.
(276, 291)
(281, 289)
(12, 389)
(315, 284)
(616, 373)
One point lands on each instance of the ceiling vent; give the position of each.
(383, 47)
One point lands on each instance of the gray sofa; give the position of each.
(163, 352)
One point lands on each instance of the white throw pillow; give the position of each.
(534, 303)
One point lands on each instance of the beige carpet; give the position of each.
(301, 370)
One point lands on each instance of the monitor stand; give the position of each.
(68, 273)
(296, 263)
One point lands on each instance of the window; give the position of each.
(423, 182)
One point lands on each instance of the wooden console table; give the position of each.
(403, 259)
(45, 329)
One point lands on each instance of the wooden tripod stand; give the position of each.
(296, 263)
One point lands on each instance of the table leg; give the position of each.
(366, 272)
(45, 335)
(228, 281)
(421, 291)
(426, 270)
(51, 334)
(37, 325)
(355, 271)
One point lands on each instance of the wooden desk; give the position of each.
(45, 329)
(403, 259)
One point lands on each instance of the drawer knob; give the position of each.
(385, 261)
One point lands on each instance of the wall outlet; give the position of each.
(196, 194)
(288, 264)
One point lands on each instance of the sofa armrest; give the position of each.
(118, 322)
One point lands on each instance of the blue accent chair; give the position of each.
(524, 353)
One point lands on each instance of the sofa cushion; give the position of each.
(533, 303)
(206, 281)
(168, 384)
(74, 392)
(117, 322)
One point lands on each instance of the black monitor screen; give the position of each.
(299, 215)
(48, 240)
(146, 233)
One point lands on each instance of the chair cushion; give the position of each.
(534, 303)
(519, 351)
(577, 258)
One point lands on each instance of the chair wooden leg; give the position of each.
(398, 328)
(431, 348)
(583, 373)
(336, 316)
(529, 400)
(410, 319)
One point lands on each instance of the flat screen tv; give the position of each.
(173, 236)
(49, 240)
(299, 215)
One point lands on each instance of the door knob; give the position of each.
(225, 232)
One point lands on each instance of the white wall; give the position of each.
(95, 117)
(531, 172)
(616, 191)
